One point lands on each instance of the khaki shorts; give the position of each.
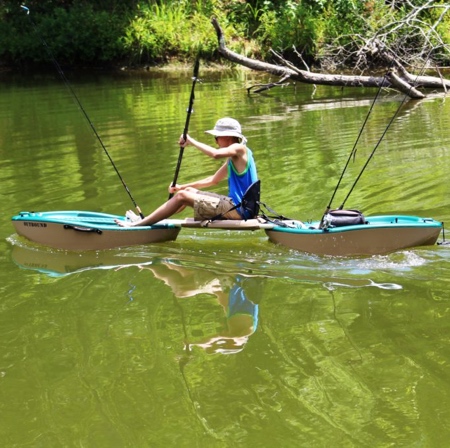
(208, 205)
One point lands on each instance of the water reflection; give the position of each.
(237, 295)
(353, 350)
(56, 263)
(240, 314)
(261, 263)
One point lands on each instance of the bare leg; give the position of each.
(174, 205)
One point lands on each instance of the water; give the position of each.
(220, 339)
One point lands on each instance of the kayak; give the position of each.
(85, 230)
(378, 235)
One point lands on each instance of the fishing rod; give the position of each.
(373, 152)
(188, 118)
(69, 87)
(354, 149)
(353, 152)
(385, 131)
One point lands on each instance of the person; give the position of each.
(239, 167)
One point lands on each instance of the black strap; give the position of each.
(275, 215)
(221, 215)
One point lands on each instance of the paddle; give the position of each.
(69, 87)
(186, 125)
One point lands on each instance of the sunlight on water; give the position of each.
(334, 285)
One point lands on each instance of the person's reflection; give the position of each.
(232, 292)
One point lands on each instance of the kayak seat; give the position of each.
(249, 206)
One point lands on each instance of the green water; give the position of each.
(220, 339)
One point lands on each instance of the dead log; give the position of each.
(403, 86)
(401, 81)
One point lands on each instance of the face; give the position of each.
(219, 141)
(224, 141)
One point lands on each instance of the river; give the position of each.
(220, 339)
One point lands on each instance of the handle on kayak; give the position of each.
(83, 229)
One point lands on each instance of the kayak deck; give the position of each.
(225, 224)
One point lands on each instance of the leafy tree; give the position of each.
(327, 32)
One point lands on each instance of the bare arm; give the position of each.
(237, 152)
(233, 151)
(217, 177)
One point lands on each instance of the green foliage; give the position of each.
(78, 35)
(148, 31)
(82, 35)
(443, 31)
(161, 30)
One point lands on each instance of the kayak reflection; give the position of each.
(237, 295)
(61, 263)
(223, 325)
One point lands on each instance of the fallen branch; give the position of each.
(401, 80)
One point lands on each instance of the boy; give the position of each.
(239, 167)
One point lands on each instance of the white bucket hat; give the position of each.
(227, 127)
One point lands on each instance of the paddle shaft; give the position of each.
(186, 125)
(66, 82)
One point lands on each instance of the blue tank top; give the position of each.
(239, 182)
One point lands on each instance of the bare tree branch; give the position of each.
(364, 51)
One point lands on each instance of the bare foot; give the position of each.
(123, 223)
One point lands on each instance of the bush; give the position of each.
(79, 35)
(162, 30)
